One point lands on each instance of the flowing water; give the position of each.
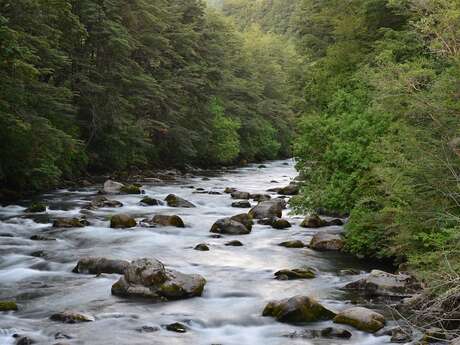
(240, 280)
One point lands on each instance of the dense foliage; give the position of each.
(380, 136)
(106, 85)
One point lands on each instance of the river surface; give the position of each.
(240, 280)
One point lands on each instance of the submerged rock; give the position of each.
(112, 187)
(102, 201)
(361, 318)
(229, 190)
(40, 237)
(292, 244)
(379, 283)
(98, 265)
(122, 221)
(71, 317)
(148, 278)
(70, 223)
(234, 243)
(267, 209)
(241, 195)
(298, 309)
(37, 207)
(174, 220)
(296, 273)
(203, 247)
(176, 327)
(23, 340)
(8, 306)
(328, 333)
(175, 201)
(241, 204)
(327, 242)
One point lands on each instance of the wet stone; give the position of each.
(71, 317)
(39, 237)
(292, 244)
(202, 247)
(176, 327)
(234, 243)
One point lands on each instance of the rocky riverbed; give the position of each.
(173, 265)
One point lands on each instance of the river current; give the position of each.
(240, 280)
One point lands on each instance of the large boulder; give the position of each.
(241, 195)
(298, 309)
(168, 221)
(267, 209)
(175, 201)
(122, 221)
(280, 223)
(98, 265)
(70, 223)
(229, 226)
(361, 318)
(292, 189)
(380, 283)
(326, 242)
(102, 201)
(148, 278)
(112, 187)
(131, 189)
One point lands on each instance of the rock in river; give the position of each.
(241, 204)
(36, 208)
(121, 221)
(202, 247)
(280, 223)
(98, 265)
(234, 243)
(112, 187)
(327, 242)
(361, 318)
(102, 201)
(230, 226)
(328, 333)
(148, 278)
(168, 221)
(292, 244)
(71, 317)
(296, 273)
(8, 305)
(292, 189)
(267, 209)
(315, 221)
(175, 201)
(150, 201)
(379, 283)
(298, 309)
(70, 223)
(241, 195)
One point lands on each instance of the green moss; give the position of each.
(8, 306)
(131, 189)
(36, 208)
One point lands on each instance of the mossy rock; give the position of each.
(298, 309)
(8, 305)
(151, 201)
(174, 220)
(36, 208)
(361, 318)
(280, 224)
(121, 221)
(296, 273)
(292, 244)
(131, 189)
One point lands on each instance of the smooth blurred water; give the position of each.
(240, 279)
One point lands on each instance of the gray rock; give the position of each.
(151, 201)
(228, 226)
(379, 283)
(327, 333)
(260, 197)
(175, 201)
(361, 318)
(176, 327)
(292, 189)
(327, 242)
(70, 223)
(292, 244)
(71, 317)
(112, 187)
(267, 209)
(102, 201)
(98, 265)
(234, 243)
(241, 195)
(241, 204)
(202, 247)
(279, 223)
(149, 279)
(122, 221)
(296, 273)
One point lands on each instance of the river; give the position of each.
(240, 280)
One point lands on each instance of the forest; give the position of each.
(364, 94)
